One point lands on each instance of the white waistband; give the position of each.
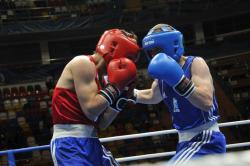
(189, 134)
(74, 130)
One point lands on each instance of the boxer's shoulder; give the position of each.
(80, 60)
(199, 65)
(198, 61)
(81, 64)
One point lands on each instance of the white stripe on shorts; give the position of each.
(208, 140)
(108, 155)
(53, 152)
(108, 158)
(193, 148)
(191, 153)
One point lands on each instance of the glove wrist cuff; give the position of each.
(185, 87)
(115, 110)
(110, 93)
(135, 94)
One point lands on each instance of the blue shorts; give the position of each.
(205, 143)
(75, 151)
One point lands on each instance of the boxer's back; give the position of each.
(66, 108)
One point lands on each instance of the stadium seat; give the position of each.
(22, 91)
(38, 91)
(7, 105)
(31, 141)
(11, 115)
(43, 105)
(30, 90)
(4, 160)
(16, 105)
(23, 101)
(46, 156)
(36, 155)
(6, 93)
(21, 121)
(3, 116)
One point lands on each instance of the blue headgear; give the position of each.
(168, 40)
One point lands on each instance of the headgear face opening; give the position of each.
(116, 43)
(164, 39)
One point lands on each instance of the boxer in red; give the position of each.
(80, 104)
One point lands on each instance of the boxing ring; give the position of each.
(11, 153)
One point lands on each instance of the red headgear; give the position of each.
(115, 44)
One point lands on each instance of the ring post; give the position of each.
(11, 158)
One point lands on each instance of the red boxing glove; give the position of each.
(121, 72)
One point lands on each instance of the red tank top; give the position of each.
(66, 108)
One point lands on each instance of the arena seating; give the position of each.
(24, 10)
(25, 120)
(26, 108)
(233, 75)
(234, 72)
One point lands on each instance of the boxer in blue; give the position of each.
(185, 85)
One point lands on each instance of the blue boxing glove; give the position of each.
(165, 68)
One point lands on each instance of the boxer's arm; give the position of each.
(149, 96)
(92, 104)
(202, 96)
(106, 118)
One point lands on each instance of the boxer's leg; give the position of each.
(108, 159)
(73, 151)
(207, 142)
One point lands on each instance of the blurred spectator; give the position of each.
(2, 78)
(56, 2)
(50, 83)
(40, 3)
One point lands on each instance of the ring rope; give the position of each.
(165, 154)
(11, 152)
(132, 136)
(163, 132)
(241, 122)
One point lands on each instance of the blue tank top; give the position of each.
(185, 115)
